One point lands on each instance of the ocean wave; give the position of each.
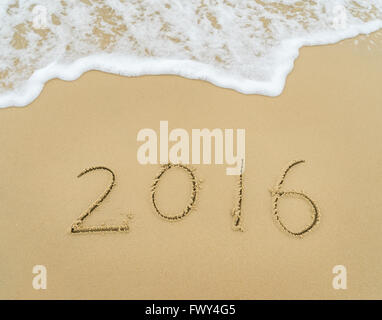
(246, 45)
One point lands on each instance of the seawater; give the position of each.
(247, 45)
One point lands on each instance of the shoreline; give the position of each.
(193, 70)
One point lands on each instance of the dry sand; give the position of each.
(329, 114)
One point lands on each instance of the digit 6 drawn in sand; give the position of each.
(278, 194)
(77, 226)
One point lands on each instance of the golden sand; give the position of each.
(329, 114)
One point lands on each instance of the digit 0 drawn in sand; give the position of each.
(277, 194)
(77, 226)
(194, 191)
(236, 211)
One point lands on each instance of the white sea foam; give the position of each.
(246, 45)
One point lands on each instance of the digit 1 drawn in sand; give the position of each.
(194, 191)
(236, 211)
(277, 194)
(77, 226)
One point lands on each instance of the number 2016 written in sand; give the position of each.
(277, 193)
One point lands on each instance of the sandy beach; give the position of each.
(329, 115)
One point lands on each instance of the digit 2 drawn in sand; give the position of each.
(77, 226)
(277, 194)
